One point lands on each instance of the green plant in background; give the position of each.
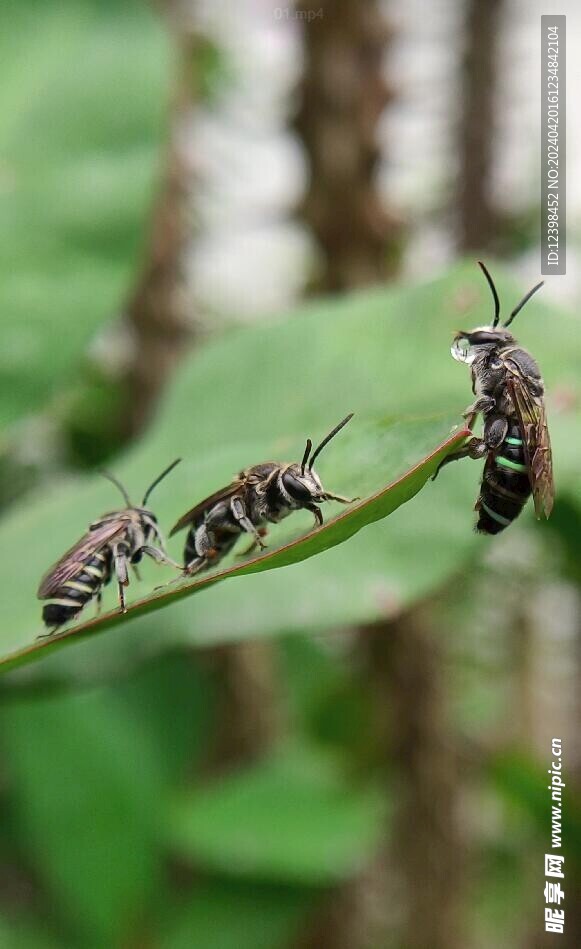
(116, 829)
(82, 97)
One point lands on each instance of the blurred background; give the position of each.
(349, 753)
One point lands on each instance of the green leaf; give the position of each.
(291, 820)
(257, 393)
(372, 440)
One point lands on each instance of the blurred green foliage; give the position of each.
(320, 832)
(113, 829)
(228, 915)
(82, 100)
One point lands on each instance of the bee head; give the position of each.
(303, 486)
(301, 482)
(467, 342)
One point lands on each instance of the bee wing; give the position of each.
(221, 495)
(71, 562)
(530, 410)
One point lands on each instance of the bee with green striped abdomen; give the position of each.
(515, 441)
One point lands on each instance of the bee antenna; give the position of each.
(306, 455)
(524, 300)
(490, 282)
(159, 478)
(113, 480)
(328, 438)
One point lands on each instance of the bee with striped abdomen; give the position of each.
(110, 545)
(515, 441)
(264, 493)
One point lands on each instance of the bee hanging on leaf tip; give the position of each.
(264, 493)
(111, 544)
(515, 441)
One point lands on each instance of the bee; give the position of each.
(112, 543)
(263, 493)
(515, 441)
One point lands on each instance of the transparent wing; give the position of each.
(530, 410)
(75, 558)
(222, 494)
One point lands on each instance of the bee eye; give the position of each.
(297, 490)
(481, 338)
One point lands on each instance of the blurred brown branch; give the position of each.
(477, 219)
(427, 851)
(343, 96)
(158, 311)
(250, 717)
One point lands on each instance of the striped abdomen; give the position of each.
(70, 598)
(505, 486)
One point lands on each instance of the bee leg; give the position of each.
(248, 550)
(99, 603)
(484, 404)
(476, 448)
(340, 498)
(205, 550)
(249, 527)
(194, 566)
(122, 606)
(120, 561)
(239, 511)
(48, 634)
(495, 430)
(160, 556)
(317, 512)
(188, 570)
(135, 569)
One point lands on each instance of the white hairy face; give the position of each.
(466, 344)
